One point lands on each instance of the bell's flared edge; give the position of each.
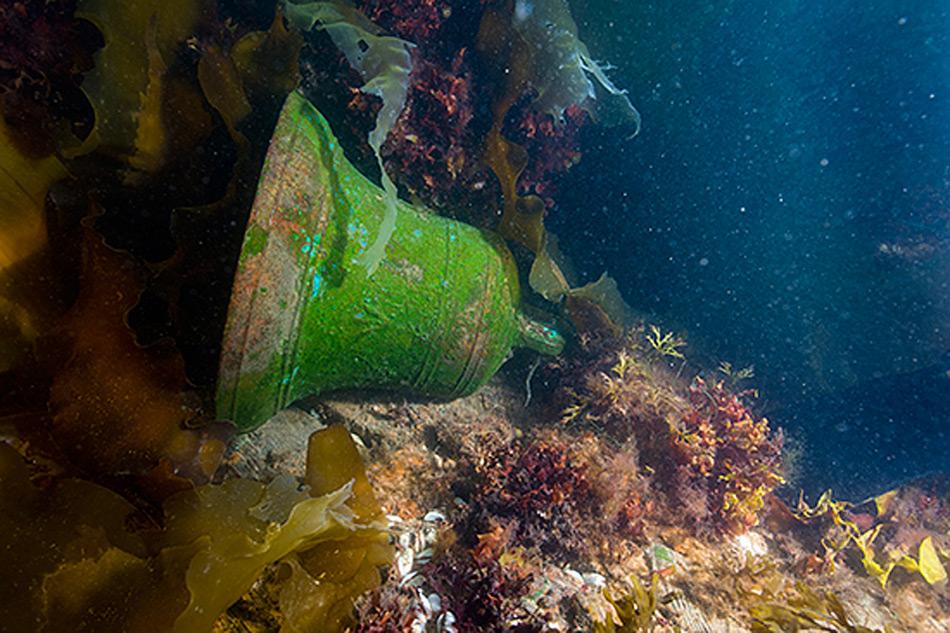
(437, 318)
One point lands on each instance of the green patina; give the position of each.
(254, 242)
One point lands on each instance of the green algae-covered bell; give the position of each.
(437, 317)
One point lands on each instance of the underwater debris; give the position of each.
(109, 564)
(385, 63)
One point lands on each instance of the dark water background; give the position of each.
(787, 205)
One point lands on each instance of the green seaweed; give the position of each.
(385, 63)
(665, 344)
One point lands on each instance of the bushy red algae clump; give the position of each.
(726, 450)
(414, 20)
(552, 146)
(431, 148)
(436, 150)
(713, 457)
(483, 586)
(541, 489)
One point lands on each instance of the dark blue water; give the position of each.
(787, 205)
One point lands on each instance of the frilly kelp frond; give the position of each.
(565, 74)
(385, 63)
(126, 84)
(81, 563)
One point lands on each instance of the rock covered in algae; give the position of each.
(74, 560)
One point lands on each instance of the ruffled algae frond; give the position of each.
(85, 558)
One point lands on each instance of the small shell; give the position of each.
(446, 623)
(433, 516)
(574, 575)
(404, 562)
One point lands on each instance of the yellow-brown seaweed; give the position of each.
(73, 560)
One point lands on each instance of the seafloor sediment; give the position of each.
(433, 465)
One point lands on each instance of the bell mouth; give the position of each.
(271, 285)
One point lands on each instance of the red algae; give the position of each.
(552, 147)
(431, 146)
(540, 491)
(732, 453)
(414, 20)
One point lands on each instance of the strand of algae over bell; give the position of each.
(385, 63)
